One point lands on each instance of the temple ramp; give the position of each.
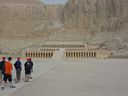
(58, 54)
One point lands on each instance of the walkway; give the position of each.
(89, 78)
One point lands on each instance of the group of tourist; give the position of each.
(6, 68)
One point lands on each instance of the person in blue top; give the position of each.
(18, 67)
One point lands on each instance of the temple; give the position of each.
(68, 50)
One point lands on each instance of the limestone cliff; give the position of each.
(23, 22)
(96, 15)
(104, 22)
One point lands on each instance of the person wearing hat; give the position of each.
(18, 67)
(8, 73)
(2, 68)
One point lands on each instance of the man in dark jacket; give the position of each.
(27, 68)
(31, 64)
(18, 67)
(2, 68)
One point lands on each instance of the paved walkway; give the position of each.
(40, 67)
(89, 78)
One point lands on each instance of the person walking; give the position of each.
(2, 68)
(27, 68)
(8, 73)
(18, 67)
(31, 65)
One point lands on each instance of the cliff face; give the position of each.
(97, 22)
(96, 15)
(25, 22)
(103, 22)
(26, 18)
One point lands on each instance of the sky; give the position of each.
(54, 1)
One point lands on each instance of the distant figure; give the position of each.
(27, 68)
(31, 64)
(2, 63)
(8, 73)
(18, 67)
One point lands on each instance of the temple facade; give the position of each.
(71, 50)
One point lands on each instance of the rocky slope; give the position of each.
(104, 21)
(96, 15)
(25, 22)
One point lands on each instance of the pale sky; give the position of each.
(54, 1)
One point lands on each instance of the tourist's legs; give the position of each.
(26, 77)
(18, 75)
(0, 76)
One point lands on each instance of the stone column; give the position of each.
(69, 54)
(95, 54)
(78, 55)
(35, 55)
(39, 55)
(28, 54)
(74, 55)
(31, 55)
(87, 54)
(92, 55)
(43, 55)
(65, 54)
(49, 55)
(82, 55)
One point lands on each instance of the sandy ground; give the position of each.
(40, 67)
(75, 78)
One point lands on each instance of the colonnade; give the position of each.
(80, 55)
(39, 55)
(63, 46)
(68, 53)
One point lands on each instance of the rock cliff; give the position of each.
(25, 22)
(104, 22)
(96, 15)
